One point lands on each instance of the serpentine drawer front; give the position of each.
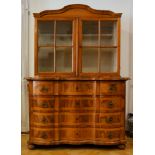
(77, 88)
(64, 114)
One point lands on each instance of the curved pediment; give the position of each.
(76, 7)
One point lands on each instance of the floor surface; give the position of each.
(77, 150)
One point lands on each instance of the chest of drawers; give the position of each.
(76, 111)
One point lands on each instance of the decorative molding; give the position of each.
(77, 6)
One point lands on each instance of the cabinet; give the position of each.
(77, 95)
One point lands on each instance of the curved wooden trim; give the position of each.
(77, 142)
(77, 6)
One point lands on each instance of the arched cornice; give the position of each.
(77, 6)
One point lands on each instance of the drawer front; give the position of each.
(112, 88)
(112, 104)
(81, 104)
(108, 135)
(77, 88)
(110, 119)
(42, 135)
(41, 88)
(42, 103)
(76, 134)
(76, 118)
(43, 119)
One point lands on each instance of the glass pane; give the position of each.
(64, 59)
(108, 60)
(90, 60)
(46, 59)
(64, 33)
(90, 33)
(108, 33)
(45, 33)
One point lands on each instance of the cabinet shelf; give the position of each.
(52, 46)
(95, 35)
(98, 46)
(48, 34)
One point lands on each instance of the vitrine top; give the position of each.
(74, 7)
(88, 43)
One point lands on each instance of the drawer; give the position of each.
(43, 119)
(112, 88)
(42, 135)
(110, 104)
(78, 103)
(76, 118)
(41, 88)
(110, 119)
(76, 134)
(110, 134)
(77, 88)
(42, 103)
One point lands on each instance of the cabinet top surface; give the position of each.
(38, 78)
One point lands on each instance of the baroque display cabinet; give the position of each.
(77, 95)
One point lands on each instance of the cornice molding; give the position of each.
(77, 6)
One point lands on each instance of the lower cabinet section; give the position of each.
(76, 135)
(77, 112)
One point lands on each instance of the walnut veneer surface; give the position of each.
(77, 112)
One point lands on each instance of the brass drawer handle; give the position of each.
(77, 88)
(44, 120)
(77, 103)
(110, 104)
(44, 135)
(112, 88)
(109, 120)
(45, 105)
(77, 118)
(77, 133)
(44, 89)
(110, 136)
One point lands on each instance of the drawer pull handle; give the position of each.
(44, 120)
(44, 89)
(45, 105)
(77, 103)
(110, 135)
(112, 88)
(109, 120)
(77, 133)
(77, 88)
(77, 119)
(110, 104)
(44, 135)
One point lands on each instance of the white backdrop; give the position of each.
(32, 6)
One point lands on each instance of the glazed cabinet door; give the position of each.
(99, 47)
(54, 47)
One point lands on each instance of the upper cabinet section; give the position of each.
(77, 41)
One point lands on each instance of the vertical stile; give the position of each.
(54, 45)
(76, 44)
(118, 45)
(99, 43)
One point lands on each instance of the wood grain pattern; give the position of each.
(68, 112)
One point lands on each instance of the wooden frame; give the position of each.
(55, 46)
(99, 74)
